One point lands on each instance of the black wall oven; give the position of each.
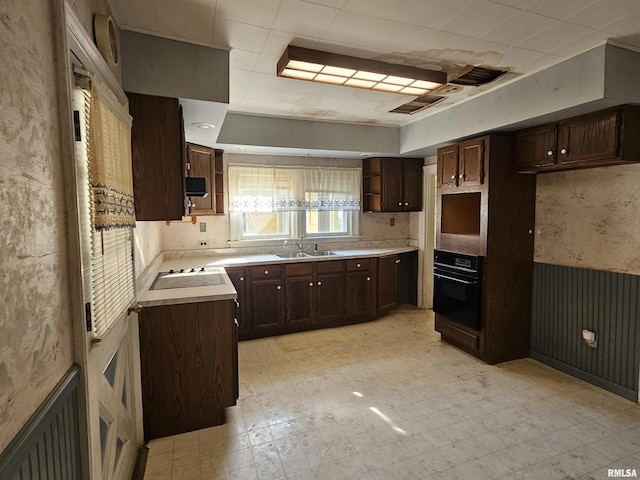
(457, 287)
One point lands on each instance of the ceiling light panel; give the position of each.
(314, 65)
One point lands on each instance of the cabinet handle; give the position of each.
(278, 287)
(319, 283)
(406, 204)
(399, 203)
(358, 265)
(266, 272)
(311, 284)
(242, 279)
(563, 151)
(397, 261)
(461, 176)
(368, 279)
(453, 177)
(550, 153)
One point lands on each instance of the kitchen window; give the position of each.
(281, 203)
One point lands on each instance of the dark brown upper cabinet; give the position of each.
(157, 145)
(207, 163)
(607, 137)
(461, 165)
(392, 184)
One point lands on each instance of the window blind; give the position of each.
(107, 253)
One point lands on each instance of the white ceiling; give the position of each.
(520, 36)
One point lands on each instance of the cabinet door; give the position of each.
(589, 137)
(238, 278)
(299, 293)
(412, 187)
(329, 297)
(187, 366)
(471, 163)
(267, 304)
(156, 157)
(535, 148)
(387, 282)
(448, 166)
(392, 185)
(201, 163)
(358, 294)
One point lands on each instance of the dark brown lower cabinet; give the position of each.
(296, 296)
(387, 282)
(266, 298)
(238, 277)
(329, 292)
(188, 358)
(359, 292)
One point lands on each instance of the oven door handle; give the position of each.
(457, 280)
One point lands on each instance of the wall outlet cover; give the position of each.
(203, 243)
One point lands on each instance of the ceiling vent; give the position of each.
(418, 104)
(476, 76)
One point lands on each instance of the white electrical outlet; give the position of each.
(203, 243)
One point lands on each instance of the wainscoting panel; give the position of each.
(567, 300)
(47, 447)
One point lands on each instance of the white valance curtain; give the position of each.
(264, 188)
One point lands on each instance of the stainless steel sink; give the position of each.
(323, 253)
(293, 255)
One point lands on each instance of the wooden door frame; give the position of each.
(69, 36)
(426, 237)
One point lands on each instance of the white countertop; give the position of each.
(226, 291)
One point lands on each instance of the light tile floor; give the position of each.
(387, 400)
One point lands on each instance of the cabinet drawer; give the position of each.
(298, 269)
(329, 267)
(358, 264)
(266, 272)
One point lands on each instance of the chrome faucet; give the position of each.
(301, 244)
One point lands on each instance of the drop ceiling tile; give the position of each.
(267, 64)
(518, 28)
(519, 4)
(479, 18)
(307, 19)
(604, 12)
(330, 3)
(240, 35)
(141, 15)
(243, 59)
(582, 44)
(625, 26)
(559, 34)
(559, 10)
(540, 63)
(374, 33)
(431, 14)
(441, 42)
(260, 14)
(514, 57)
(190, 21)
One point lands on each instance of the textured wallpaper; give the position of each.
(35, 334)
(590, 218)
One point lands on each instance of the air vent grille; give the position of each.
(418, 104)
(476, 76)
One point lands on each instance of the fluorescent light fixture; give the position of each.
(317, 66)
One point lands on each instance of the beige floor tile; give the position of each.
(388, 400)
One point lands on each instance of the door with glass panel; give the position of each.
(107, 346)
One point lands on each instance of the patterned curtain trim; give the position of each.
(266, 205)
(113, 205)
(109, 148)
